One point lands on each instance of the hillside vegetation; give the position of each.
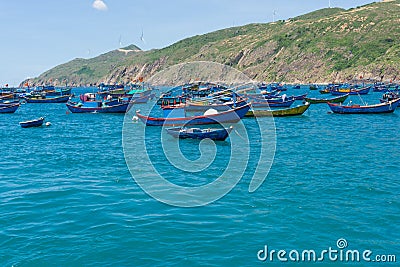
(322, 46)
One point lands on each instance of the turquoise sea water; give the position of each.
(68, 198)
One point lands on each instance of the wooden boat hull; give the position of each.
(32, 123)
(387, 107)
(59, 92)
(230, 116)
(339, 99)
(58, 99)
(11, 108)
(296, 111)
(120, 108)
(193, 107)
(7, 97)
(272, 104)
(213, 134)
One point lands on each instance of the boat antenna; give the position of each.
(142, 37)
(330, 4)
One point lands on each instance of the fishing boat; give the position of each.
(141, 100)
(231, 116)
(59, 92)
(116, 89)
(389, 96)
(9, 108)
(386, 107)
(32, 123)
(197, 133)
(350, 91)
(218, 105)
(97, 107)
(45, 99)
(339, 99)
(4, 103)
(325, 91)
(273, 104)
(295, 111)
(299, 97)
(6, 96)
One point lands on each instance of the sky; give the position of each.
(37, 35)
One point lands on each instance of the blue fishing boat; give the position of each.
(141, 100)
(97, 107)
(299, 97)
(387, 107)
(9, 108)
(273, 103)
(231, 116)
(217, 105)
(45, 99)
(59, 92)
(4, 103)
(32, 123)
(197, 133)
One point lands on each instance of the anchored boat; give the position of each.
(197, 133)
(232, 116)
(387, 107)
(32, 123)
(296, 111)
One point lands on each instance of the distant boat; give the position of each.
(387, 107)
(9, 108)
(295, 111)
(32, 123)
(141, 100)
(4, 103)
(59, 92)
(204, 106)
(45, 99)
(7, 96)
(298, 97)
(197, 133)
(273, 103)
(339, 99)
(231, 116)
(350, 91)
(98, 107)
(325, 91)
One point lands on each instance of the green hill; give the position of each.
(322, 46)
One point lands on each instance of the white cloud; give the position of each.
(100, 5)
